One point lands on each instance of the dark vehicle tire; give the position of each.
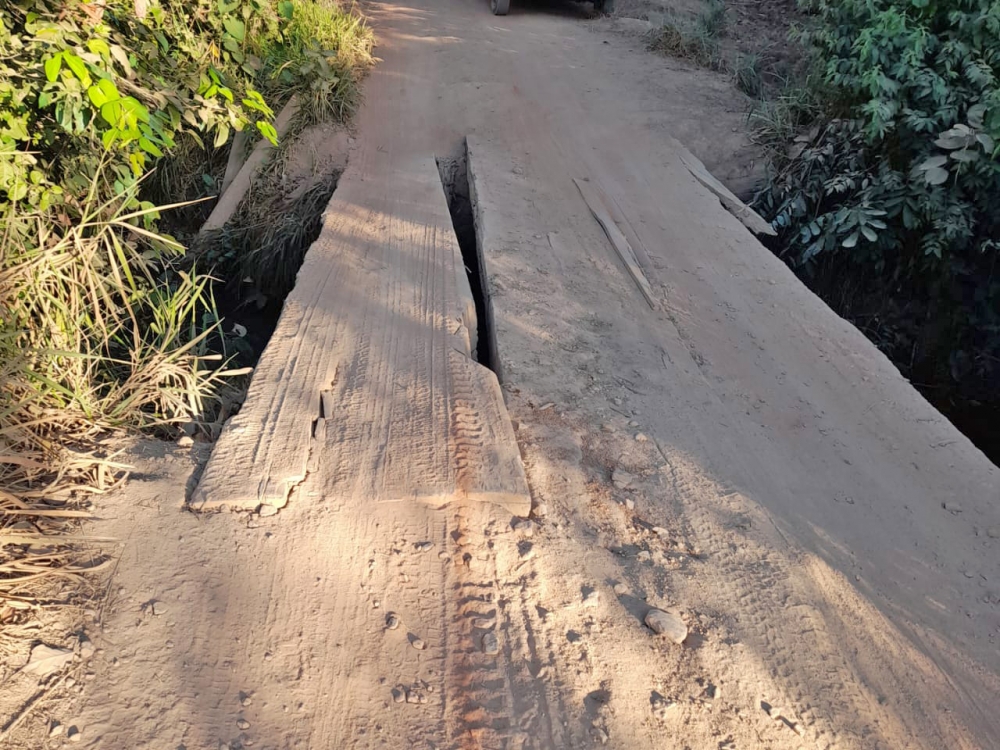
(500, 7)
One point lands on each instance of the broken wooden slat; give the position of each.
(367, 384)
(236, 190)
(618, 240)
(750, 218)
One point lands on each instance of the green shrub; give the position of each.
(104, 322)
(898, 181)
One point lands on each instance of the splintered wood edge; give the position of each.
(747, 216)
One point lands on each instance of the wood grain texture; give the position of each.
(368, 381)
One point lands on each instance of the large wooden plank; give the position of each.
(368, 384)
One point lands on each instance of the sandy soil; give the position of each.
(739, 455)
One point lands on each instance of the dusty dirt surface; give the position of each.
(738, 456)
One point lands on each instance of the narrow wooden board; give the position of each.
(236, 186)
(750, 218)
(618, 240)
(368, 384)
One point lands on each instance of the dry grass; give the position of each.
(99, 335)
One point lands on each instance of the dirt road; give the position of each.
(737, 453)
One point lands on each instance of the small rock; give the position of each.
(993, 532)
(442, 555)
(415, 696)
(423, 546)
(398, 695)
(640, 438)
(621, 589)
(660, 531)
(266, 509)
(591, 598)
(601, 735)
(643, 556)
(630, 503)
(56, 729)
(953, 507)
(540, 510)
(392, 621)
(621, 478)
(607, 427)
(185, 441)
(490, 643)
(667, 623)
(661, 706)
(45, 660)
(86, 648)
(242, 724)
(633, 423)
(74, 734)
(418, 643)
(525, 525)
(484, 623)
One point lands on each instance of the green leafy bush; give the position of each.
(895, 186)
(104, 322)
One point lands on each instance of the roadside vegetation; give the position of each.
(112, 114)
(885, 180)
(881, 124)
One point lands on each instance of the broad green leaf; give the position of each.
(236, 28)
(52, 67)
(148, 146)
(965, 155)
(78, 67)
(17, 191)
(286, 9)
(951, 142)
(267, 130)
(134, 108)
(113, 113)
(987, 142)
(98, 46)
(934, 161)
(976, 114)
(44, 99)
(869, 233)
(96, 96)
(936, 176)
(851, 240)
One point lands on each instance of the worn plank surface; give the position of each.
(368, 385)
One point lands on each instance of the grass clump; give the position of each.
(688, 44)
